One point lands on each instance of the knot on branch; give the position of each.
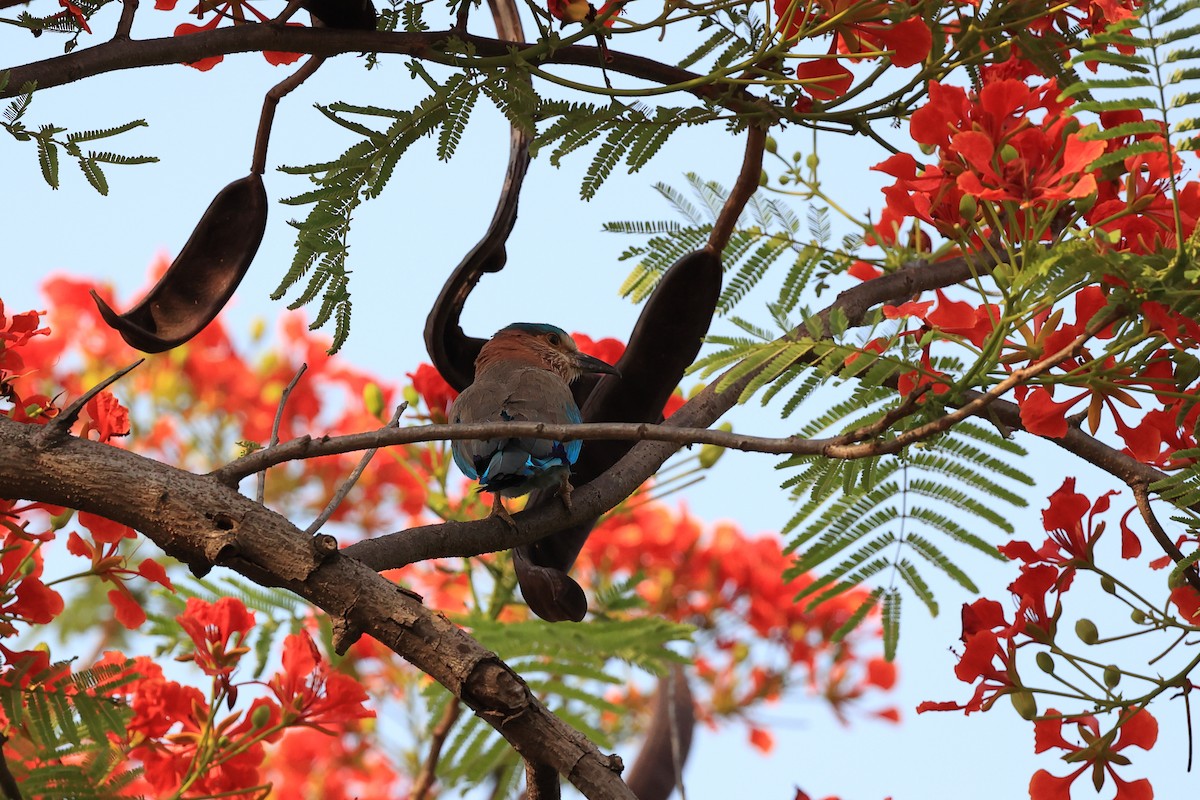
(220, 543)
(345, 634)
(495, 692)
(324, 547)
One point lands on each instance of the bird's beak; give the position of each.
(586, 363)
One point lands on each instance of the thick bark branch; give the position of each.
(120, 54)
(204, 523)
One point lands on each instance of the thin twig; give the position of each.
(441, 731)
(60, 426)
(743, 189)
(1141, 494)
(125, 23)
(977, 405)
(348, 484)
(283, 398)
(289, 11)
(266, 119)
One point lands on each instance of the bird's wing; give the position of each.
(520, 394)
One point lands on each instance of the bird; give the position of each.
(522, 374)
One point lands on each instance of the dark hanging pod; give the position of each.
(664, 343)
(203, 276)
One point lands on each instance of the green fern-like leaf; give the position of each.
(566, 667)
(95, 176)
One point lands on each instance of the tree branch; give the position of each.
(645, 458)
(453, 539)
(1141, 494)
(441, 731)
(202, 522)
(120, 54)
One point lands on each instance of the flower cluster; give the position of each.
(857, 30)
(1014, 146)
(733, 586)
(991, 643)
(178, 733)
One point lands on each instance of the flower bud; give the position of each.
(260, 717)
(1008, 153)
(411, 396)
(770, 145)
(1108, 584)
(763, 178)
(1024, 703)
(1086, 630)
(710, 453)
(967, 207)
(1046, 662)
(1112, 676)
(373, 399)
(1138, 616)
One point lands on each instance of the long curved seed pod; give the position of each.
(217, 255)
(203, 276)
(656, 771)
(353, 14)
(663, 344)
(452, 351)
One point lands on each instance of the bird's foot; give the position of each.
(498, 510)
(564, 491)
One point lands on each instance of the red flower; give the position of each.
(313, 693)
(1187, 600)
(74, 12)
(607, 349)
(1041, 415)
(825, 79)
(218, 630)
(106, 416)
(987, 637)
(434, 391)
(861, 28)
(1137, 728)
(1069, 543)
(990, 147)
(864, 271)
(23, 594)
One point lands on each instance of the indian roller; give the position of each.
(522, 374)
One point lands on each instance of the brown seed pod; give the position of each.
(203, 276)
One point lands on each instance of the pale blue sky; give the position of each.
(562, 270)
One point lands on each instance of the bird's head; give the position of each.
(540, 345)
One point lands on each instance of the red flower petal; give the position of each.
(127, 610)
(1131, 545)
(825, 79)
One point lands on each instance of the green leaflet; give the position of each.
(47, 142)
(567, 667)
(68, 732)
